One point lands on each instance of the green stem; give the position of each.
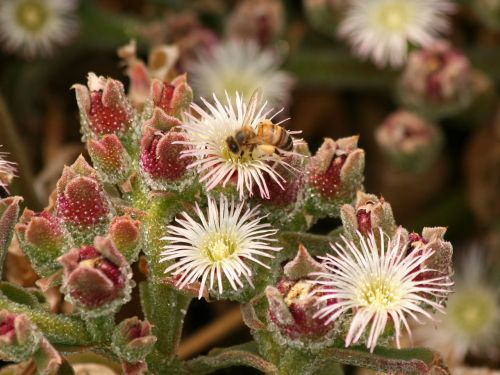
(101, 328)
(58, 329)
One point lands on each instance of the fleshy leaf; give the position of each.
(9, 211)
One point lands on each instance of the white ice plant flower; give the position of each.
(7, 170)
(218, 245)
(240, 66)
(208, 130)
(472, 321)
(376, 281)
(34, 27)
(382, 29)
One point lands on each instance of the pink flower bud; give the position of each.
(175, 98)
(104, 108)
(110, 158)
(19, 339)
(81, 203)
(126, 235)
(410, 142)
(161, 162)
(335, 173)
(97, 279)
(132, 340)
(367, 215)
(42, 239)
(437, 79)
(292, 303)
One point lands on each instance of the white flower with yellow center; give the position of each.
(377, 282)
(383, 29)
(217, 246)
(238, 66)
(208, 131)
(34, 27)
(7, 170)
(472, 321)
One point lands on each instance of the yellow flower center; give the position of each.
(377, 293)
(32, 15)
(472, 311)
(218, 247)
(393, 16)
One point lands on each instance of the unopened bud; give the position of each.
(82, 205)
(335, 174)
(19, 338)
(104, 107)
(97, 279)
(132, 340)
(126, 235)
(42, 239)
(410, 142)
(110, 158)
(438, 80)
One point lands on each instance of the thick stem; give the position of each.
(101, 328)
(58, 329)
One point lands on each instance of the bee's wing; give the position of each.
(254, 100)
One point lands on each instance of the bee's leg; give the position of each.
(267, 149)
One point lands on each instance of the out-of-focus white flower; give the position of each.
(377, 282)
(7, 170)
(35, 27)
(218, 245)
(208, 131)
(382, 29)
(243, 67)
(472, 320)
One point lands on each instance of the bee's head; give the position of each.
(232, 145)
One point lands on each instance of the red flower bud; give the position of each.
(126, 235)
(81, 203)
(160, 158)
(110, 158)
(132, 340)
(104, 108)
(42, 239)
(19, 339)
(96, 278)
(335, 173)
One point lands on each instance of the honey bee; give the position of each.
(268, 138)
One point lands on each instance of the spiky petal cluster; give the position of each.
(377, 282)
(382, 29)
(208, 130)
(7, 170)
(34, 27)
(217, 245)
(242, 67)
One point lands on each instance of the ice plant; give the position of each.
(383, 29)
(242, 67)
(472, 321)
(378, 283)
(7, 170)
(34, 27)
(208, 130)
(218, 245)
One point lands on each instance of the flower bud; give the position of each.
(97, 279)
(161, 162)
(433, 239)
(19, 338)
(104, 108)
(126, 235)
(286, 199)
(334, 175)
(132, 340)
(110, 158)
(260, 21)
(409, 141)
(292, 305)
(81, 204)
(367, 215)
(437, 80)
(42, 239)
(175, 98)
